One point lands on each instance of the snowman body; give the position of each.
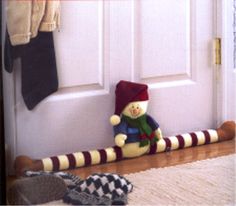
(129, 133)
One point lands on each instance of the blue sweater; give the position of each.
(133, 134)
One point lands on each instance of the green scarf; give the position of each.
(147, 135)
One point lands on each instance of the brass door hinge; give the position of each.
(217, 51)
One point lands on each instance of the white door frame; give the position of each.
(226, 72)
(9, 101)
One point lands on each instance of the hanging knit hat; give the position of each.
(127, 92)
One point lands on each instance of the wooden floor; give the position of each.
(161, 160)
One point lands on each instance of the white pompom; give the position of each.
(115, 120)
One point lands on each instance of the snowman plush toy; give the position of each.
(134, 130)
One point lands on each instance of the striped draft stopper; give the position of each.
(81, 159)
(184, 140)
(111, 154)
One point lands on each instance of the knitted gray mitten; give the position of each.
(36, 190)
(70, 180)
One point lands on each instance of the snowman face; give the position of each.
(135, 109)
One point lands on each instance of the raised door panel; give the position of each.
(164, 38)
(80, 46)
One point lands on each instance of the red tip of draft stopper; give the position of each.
(23, 163)
(226, 131)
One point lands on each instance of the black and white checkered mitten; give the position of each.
(100, 189)
(70, 180)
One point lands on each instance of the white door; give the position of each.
(164, 43)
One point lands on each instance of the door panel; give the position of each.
(164, 43)
(164, 48)
(81, 44)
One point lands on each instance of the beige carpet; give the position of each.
(207, 182)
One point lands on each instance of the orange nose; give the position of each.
(135, 111)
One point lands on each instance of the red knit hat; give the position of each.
(127, 92)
